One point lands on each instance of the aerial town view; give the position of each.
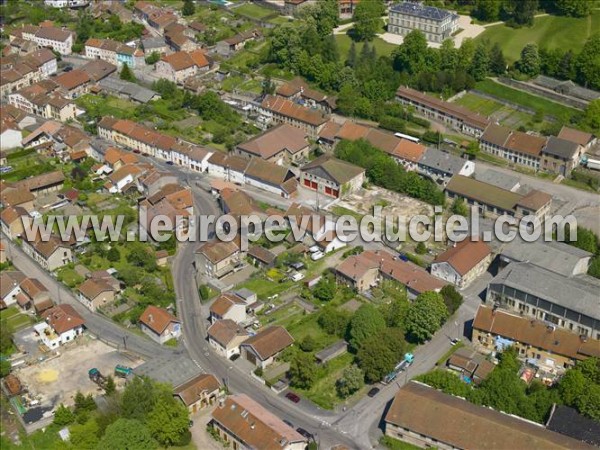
(299, 224)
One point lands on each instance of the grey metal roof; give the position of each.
(560, 147)
(499, 179)
(580, 293)
(420, 10)
(153, 42)
(174, 369)
(438, 160)
(132, 90)
(568, 421)
(554, 256)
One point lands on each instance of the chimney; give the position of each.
(150, 318)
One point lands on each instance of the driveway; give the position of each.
(200, 436)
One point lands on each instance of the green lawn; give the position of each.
(253, 11)
(344, 41)
(265, 288)
(547, 107)
(15, 320)
(69, 276)
(548, 31)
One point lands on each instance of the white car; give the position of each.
(297, 276)
(314, 249)
(317, 255)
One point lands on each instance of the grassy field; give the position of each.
(344, 42)
(533, 102)
(548, 31)
(253, 11)
(14, 319)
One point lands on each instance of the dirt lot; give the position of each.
(56, 380)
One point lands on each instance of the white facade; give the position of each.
(10, 139)
(436, 24)
(11, 298)
(237, 313)
(51, 339)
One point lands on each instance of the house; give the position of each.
(331, 176)
(115, 158)
(154, 45)
(558, 257)
(571, 303)
(244, 423)
(560, 156)
(10, 134)
(226, 336)
(346, 8)
(282, 145)
(229, 46)
(199, 392)
(493, 201)
(441, 166)
(217, 259)
(270, 177)
(96, 293)
(566, 420)
(358, 272)
(585, 140)
(159, 324)
(179, 66)
(34, 293)
(111, 51)
(59, 39)
(463, 262)
(275, 109)
(470, 364)
(298, 90)
(62, 324)
(12, 195)
(425, 417)
(124, 179)
(44, 99)
(3, 255)
(73, 84)
(43, 184)
(459, 118)
(51, 254)
(415, 279)
(10, 287)
(515, 146)
(228, 306)
(12, 221)
(538, 342)
(264, 347)
(436, 24)
(261, 257)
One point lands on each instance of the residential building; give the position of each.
(571, 302)
(558, 257)
(34, 294)
(425, 417)
(264, 347)
(111, 51)
(154, 45)
(545, 346)
(515, 146)
(436, 24)
(261, 257)
(229, 46)
(159, 324)
(73, 84)
(332, 177)
(10, 134)
(360, 272)
(51, 254)
(471, 364)
(275, 109)
(96, 293)
(44, 99)
(62, 324)
(243, 423)
(459, 118)
(441, 166)
(19, 71)
(299, 91)
(198, 393)
(462, 262)
(179, 66)
(493, 201)
(67, 3)
(12, 221)
(59, 39)
(116, 158)
(282, 145)
(270, 177)
(226, 336)
(217, 259)
(42, 184)
(10, 287)
(228, 306)
(13, 195)
(585, 140)
(561, 156)
(346, 8)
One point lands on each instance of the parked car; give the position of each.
(314, 249)
(288, 423)
(453, 342)
(292, 397)
(297, 265)
(234, 357)
(170, 163)
(297, 276)
(307, 434)
(317, 255)
(373, 392)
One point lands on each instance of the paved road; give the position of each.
(96, 323)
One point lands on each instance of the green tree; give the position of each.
(138, 398)
(425, 316)
(168, 421)
(380, 353)
(529, 64)
(153, 58)
(497, 60)
(5, 367)
(448, 56)
(586, 240)
(128, 434)
(303, 370)
(588, 63)
(351, 381)
(591, 118)
(6, 334)
(308, 343)
(334, 321)
(84, 403)
(445, 381)
(421, 248)
(63, 416)
(84, 436)
(572, 386)
(113, 254)
(481, 61)
(367, 19)
(589, 404)
(395, 311)
(351, 59)
(487, 10)
(141, 256)
(521, 11)
(110, 387)
(573, 8)
(366, 322)
(188, 8)
(459, 207)
(126, 73)
(452, 298)
(594, 267)
(411, 55)
(325, 289)
(268, 87)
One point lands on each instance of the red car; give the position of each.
(292, 397)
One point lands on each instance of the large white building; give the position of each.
(435, 23)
